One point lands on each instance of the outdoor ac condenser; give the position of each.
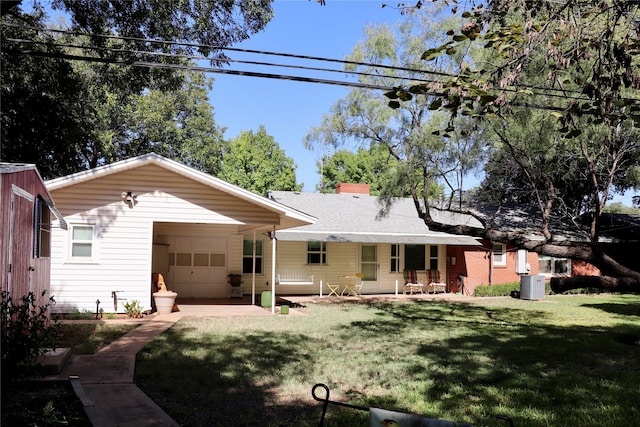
(531, 287)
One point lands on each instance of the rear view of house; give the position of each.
(26, 210)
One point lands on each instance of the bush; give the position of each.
(27, 333)
(133, 309)
(502, 290)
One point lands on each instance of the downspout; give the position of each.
(490, 278)
(321, 272)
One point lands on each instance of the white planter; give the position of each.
(165, 301)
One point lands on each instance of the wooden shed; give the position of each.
(26, 212)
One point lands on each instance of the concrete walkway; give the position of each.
(104, 381)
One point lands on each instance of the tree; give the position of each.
(178, 124)
(586, 52)
(409, 133)
(373, 166)
(254, 161)
(60, 89)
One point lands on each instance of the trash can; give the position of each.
(265, 299)
(531, 287)
(284, 309)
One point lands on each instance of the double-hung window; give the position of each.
(82, 242)
(247, 256)
(499, 254)
(395, 258)
(316, 252)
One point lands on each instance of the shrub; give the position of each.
(133, 309)
(27, 333)
(502, 290)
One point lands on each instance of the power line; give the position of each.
(554, 92)
(545, 91)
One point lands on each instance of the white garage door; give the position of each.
(198, 266)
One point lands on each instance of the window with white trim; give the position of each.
(82, 242)
(316, 252)
(247, 256)
(395, 258)
(499, 254)
(433, 257)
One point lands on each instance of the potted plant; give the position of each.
(235, 279)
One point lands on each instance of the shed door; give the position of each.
(20, 243)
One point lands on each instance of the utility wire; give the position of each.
(563, 93)
(412, 80)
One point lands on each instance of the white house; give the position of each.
(149, 214)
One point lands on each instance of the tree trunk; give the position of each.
(615, 284)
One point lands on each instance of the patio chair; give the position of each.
(433, 282)
(359, 283)
(411, 283)
(333, 287)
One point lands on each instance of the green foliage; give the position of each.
(133, 309)
(619, 208)
(417, 155)
(255, 162)
(27, 333)
(80, 315)
(502, 290)
(66, 116)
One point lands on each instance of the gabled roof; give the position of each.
(298, 217)
(357, 218)
(22, 167)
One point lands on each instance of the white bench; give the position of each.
(294, 278)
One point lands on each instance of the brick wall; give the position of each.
(474, 264)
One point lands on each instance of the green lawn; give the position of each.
(564, 361)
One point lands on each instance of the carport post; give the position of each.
(273, 271)
(253, 272)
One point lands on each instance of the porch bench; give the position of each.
(294, 278)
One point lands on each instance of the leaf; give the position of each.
(435, 104)
(394, 104)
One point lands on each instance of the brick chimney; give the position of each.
(346, 188)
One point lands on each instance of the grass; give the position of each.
(564, 361)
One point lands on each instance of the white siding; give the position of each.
(177, 205)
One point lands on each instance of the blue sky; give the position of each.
(288, 109)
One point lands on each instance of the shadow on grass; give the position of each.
(443, 360)
(223, 380)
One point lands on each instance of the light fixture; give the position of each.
(129, 198)
(453, 260)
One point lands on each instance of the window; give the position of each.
(499, 254)
(82, 244)
(395, 258)
(42, 235)
(316, 253)
(414, 257)
(433, 257)
(550, 266)
(247, 256)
